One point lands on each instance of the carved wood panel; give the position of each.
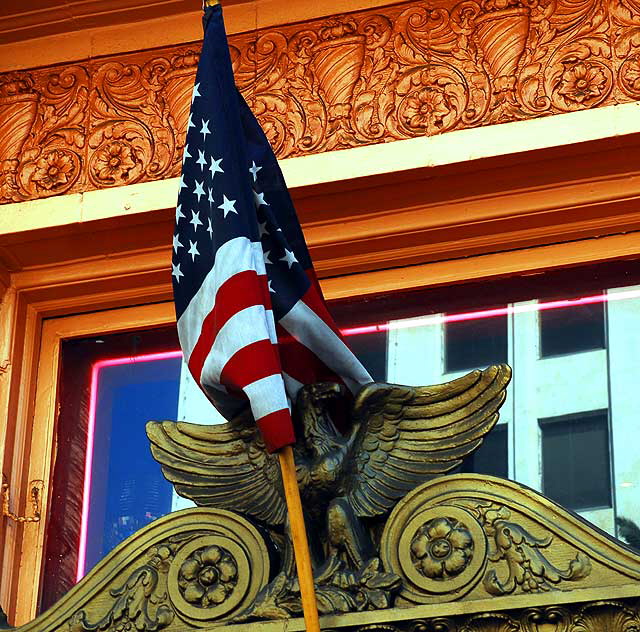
(403, 71)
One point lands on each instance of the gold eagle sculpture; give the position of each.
(399, 438)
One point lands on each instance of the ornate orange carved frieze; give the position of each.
(403, 71)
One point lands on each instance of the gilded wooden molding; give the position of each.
(403, 71)
(600, 616)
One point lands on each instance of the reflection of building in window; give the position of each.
(576, 467)
(568, 356)
(572, 329)
(371, 350)
(492, 457)
(470, 344)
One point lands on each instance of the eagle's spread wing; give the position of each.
(407, 435)
(224, 466)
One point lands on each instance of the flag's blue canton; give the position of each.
(218, 200)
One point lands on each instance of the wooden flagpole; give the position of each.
(300, 543)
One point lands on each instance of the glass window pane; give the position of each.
(572, 329)
(474, 343)
(124, 489)
(371, 350)
(544, 439)
(576, 471)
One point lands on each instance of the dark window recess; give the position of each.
(576, 468)
(473, 344)
(571, 329)
(371, 350)
(492, 456)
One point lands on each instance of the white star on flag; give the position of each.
(176, 243)
(210, 229)
(193, 250)
(179, 214)
(215, 166)
(186, 153)
(289, 257)
(228, 206)
(202, 161)
(190, 123)
(175, 271)
(195, 93)
(266, 257)
(199, 191)
(258, 198)
(205, 130)
(210, 198)
(254, 170)
(195, 220)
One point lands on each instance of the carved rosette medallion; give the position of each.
(439, 550)
(209, 578)
(442, 548)
(188, 570)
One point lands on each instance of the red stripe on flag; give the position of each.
(251, 363)
(277, 429)
(300, 362)
(242, 290)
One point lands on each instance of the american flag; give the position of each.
(252, 322)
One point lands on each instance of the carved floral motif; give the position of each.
(391, 73)
(442, 548)
(208, 576)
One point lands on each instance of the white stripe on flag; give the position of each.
(292, 385)
(237, 255)
(242, 329)
(266, 396)
(314, 333)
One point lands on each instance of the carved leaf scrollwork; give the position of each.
(132, 135)
(528, 568)
(392, 73)
(42, 128)
(138, 604)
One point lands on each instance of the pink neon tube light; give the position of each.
(349, 331)
(439, 319)
(88, 463)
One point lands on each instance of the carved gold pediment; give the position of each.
(473, 553)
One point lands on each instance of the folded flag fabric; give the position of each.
(252, 322)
